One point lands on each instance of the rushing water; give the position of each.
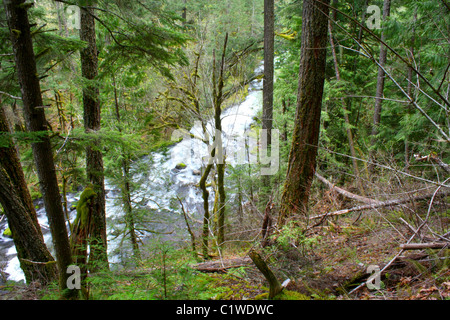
(160, 183)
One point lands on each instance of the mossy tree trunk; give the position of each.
(274, 285)
(81, 235)
(220, 161)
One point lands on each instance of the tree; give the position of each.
(344, 107)
(20, 34)
(35, 260)
(92, 121)
(380, 78)
(218, 99)
(302, 156)
(267, 112)
(267, 116)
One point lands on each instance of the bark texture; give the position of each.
(302, 157)
(35, 260)
(36, 122)
(92, 118)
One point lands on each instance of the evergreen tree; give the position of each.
(17, 16)
(302, 157)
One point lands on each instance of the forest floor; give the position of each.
(331, 262)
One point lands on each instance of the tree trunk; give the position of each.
(125, 185)
(220, 163)
(267, 116)
(206, 217)
(380, 82)
(36, 122)
(16, 202)
(305, 138)
(267, 112)
(410, 87)
(10, 161)
(94, 158)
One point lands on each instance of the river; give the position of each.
(160, 183)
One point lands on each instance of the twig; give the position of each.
(37, 262)
(188, 226)
(10, 96)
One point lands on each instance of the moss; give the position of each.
(284, 295)
(7, 233)
(180, 166)
(83, 206)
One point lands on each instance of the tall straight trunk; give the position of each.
(267, 116)
(26, 70)
(267, 112)
(305, 138)
(35, 260)
(410, 86)
(125, 185)
(94, 158)
(218, 98)
(380, 81)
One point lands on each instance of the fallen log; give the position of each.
(346, 193)
(222, 265)
(378, 205)
(426, 245)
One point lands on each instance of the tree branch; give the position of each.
(378, 205)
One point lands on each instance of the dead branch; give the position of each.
(433, 158)
(378, 205)
(222, 265)
(274, 285)
(426, 245)
(346, 193)
(194, 250)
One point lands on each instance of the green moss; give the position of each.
(284, 295)
(180, 166)
(7, 233)
(83, 206)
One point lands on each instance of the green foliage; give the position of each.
(165, 275)
(293, 235)
(149, 34)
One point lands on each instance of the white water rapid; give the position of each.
(160, 184)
